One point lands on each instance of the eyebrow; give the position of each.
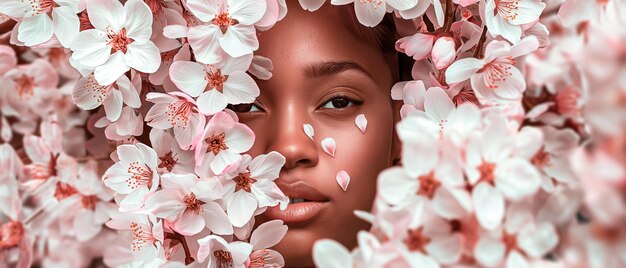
(330, 68)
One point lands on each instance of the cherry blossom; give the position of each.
(495, 173)
(251, 185)
(42, 19)
(88, 94)
(222, 142)
(147, 234)
(120, 40)
(221, 253)
(228, 21)
(177, 111)
(216, 86)
(134, 175)
(506, 17)
(171, 157)
(188, 204)
(495, 77)
(370, 13)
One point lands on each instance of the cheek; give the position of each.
(362, 156)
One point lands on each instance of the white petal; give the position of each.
(216, 219)
(139, 21)
(189, 224)
(241, 207)
(447, 249)
(202, 41)
(143, 57)
(211, 102)
(395, 186)
(527, 12)
(538, 240)
(329, 146)
(268, 234)
(438, 104)
(247, 12)
(189, 77)
(239, 40)
(66, 25)
(266, 166)
(15, 9)
(35, 30)
(489, 252)
(311, 5)
(361, 122)
(308, 130)
(88, 94)
(113, 105)
(330, 254)
(112, 70)
(205, 10)
(343, 179)
(103, 14)
(516, 260)
(489, 206)
(369, 13)
(239, 138)
(462, 70)
(517, 178)
(240, 88)
(90, 48)
(129, 92)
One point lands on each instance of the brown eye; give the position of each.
(338, 103)
(244, 108)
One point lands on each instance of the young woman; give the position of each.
(327, 69)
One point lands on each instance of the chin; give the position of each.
(297, 247)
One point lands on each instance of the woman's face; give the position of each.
(323, 76)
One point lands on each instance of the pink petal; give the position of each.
(308, 130)
(268, 234)
(343, 179)
(361, 122)
(328, 144)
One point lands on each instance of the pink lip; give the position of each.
(302, 211)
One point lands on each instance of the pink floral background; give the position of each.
(117, 147)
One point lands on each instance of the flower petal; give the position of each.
(361, 122)
(66, 25)
(343, 179)
(240, 88)
(35, 30)
(241, 207)
(189, 77)
(211, 102)
(268, 234)
(308, 130)
(329, 146)
(489, 205)
(109, 72)
(143, 57)
(113, 105)
(105, 13)
(328, 253)
(139, 24)
(369, 13)
(216, 219)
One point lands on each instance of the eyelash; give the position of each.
(353, 102)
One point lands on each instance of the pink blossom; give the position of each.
(228, 21)
(221, 253)
(134, 175)
(495, 77)
(147, 234)
(188, 204)
(88, 94)
(251, 185)
(216, 86)
(370, 13)
(505, 17)
(443, 52)
(222, 142)
(171, 157)
(120, 40)
(41, 19)
(177, 111)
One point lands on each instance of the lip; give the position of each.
(302, 211)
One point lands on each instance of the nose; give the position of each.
(290, 139)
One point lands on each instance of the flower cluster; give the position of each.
(118, 146)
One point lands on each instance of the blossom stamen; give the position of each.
(224, 258)
(193, 204)
(118, 41)
(244, 181)
(168, 161)
(428, 185)
(416, 240)
(216, 143)
(142, 236)
(509, 10)
(141, 175)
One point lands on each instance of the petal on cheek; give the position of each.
(343, 179)
(308, 130)
(361, 122)
(328, 144)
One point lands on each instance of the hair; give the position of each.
(383, 37)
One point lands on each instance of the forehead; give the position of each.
(304, 38)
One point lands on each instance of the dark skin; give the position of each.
(324, 75)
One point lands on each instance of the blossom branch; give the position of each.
(449, 15)
(181, 239)
(481, 43)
